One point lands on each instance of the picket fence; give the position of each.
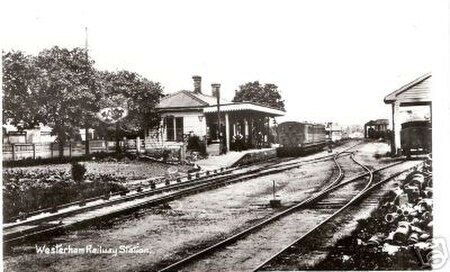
(21, 151)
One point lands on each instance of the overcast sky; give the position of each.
(332, 60)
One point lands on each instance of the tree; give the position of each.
(142, 102)
(267, 95)
(135, 93)
(19, 103)
(61, 88)
(67, 92)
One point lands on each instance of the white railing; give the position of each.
(20, 151)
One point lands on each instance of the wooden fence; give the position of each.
(20, 151)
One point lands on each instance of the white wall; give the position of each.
(191, 122)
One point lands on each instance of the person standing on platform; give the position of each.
(259, 138)
(238, 141)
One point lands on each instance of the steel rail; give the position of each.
(193, 188)
(211, 182)
(247, 231)
(96, 198)
(217, 177)
(370, 172)
(251, 229)
(128, 197)
(366, 190)
(217, 172)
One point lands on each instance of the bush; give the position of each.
(78, 171)
(64, 160)
(166, 154)
(25, 192)
(195, 144)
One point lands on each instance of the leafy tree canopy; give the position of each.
(19, 75)
(67, 90)
(267, 94)
(135, 93)
(61, 88)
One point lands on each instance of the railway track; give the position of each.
(255, 246)
(71, 215)
(313, 241)
(238, 236)
(338, 201)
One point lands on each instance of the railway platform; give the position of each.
(231, 158)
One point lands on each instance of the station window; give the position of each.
(174, 128)
(179, 129)
(169, 129)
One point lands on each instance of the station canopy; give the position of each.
(186, 101)
(244, 107)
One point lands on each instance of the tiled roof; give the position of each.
(187, 99)
(211, 100)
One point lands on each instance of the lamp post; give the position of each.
(216, 92)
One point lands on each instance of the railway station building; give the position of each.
(215, 121)
(411, 102)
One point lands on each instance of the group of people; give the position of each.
(239, 141)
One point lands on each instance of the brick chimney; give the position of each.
(197, 84)
(216, 90)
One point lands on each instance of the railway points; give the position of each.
(244, 250)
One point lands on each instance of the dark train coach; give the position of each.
(296, 138)
(416, 137)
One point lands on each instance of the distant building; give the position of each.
(412, 102)
(333, 131)
(41, 134)
(193, 113)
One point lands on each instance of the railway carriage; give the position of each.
(296, 138)
(416, 137)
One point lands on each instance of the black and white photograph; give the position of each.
(225, 135)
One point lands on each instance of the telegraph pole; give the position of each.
(86, 39)
(86, 129)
